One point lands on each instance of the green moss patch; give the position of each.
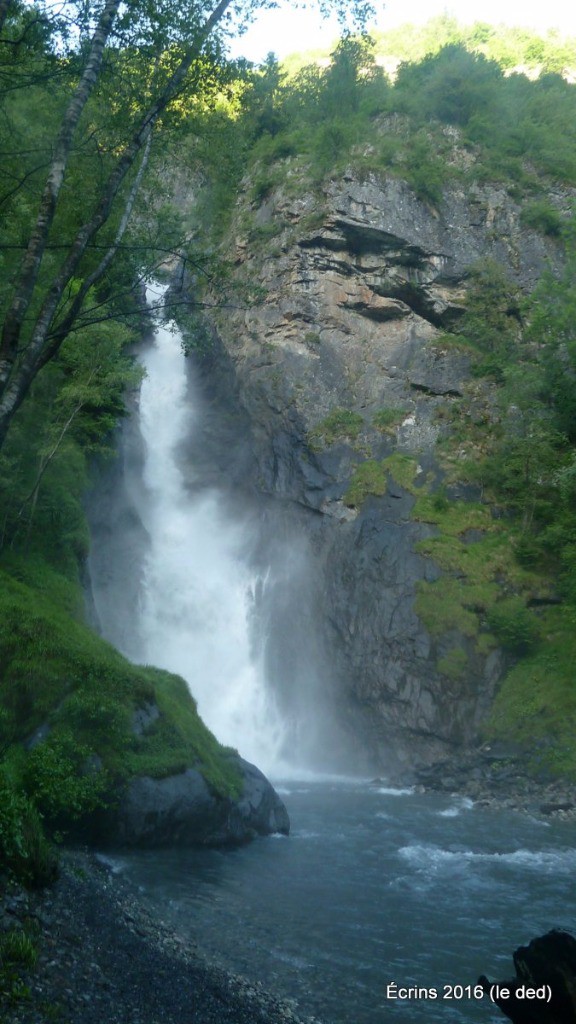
(452, 517)
(402, 469)
(452, 604)
(368, 478)
(514, 625)
(338, 425)
(55, 672)
(478, 570)
(387, 419)
(489, 558)
(453, 664)
(536, 705)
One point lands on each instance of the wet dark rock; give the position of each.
(144, 718)
(553, 807)
(544, 989)
(181, 810)
(499, 777)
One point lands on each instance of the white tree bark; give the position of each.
(16, 376)
(31, 263)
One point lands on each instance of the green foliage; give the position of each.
(551, 316)
(333, 142)
(56, 671)
(439, 502)
(24, 849)
(70, 414)
(426, 178)
(514, 626)
(522, 468)
(536, 705)
(453, 517)
(387, 418)
(292, 128)
(351, 73)
(529, 463)
(338, 425)
(402, 469)
(453, 85)
(18, 956)
(453, 665)
(543, 217)
(17, 947)
(491, 322)
(197, 335)
(496, 577)
(470, 596)
(179, 737)
(63, 778)
(262, 188)
(369, 478)
(449, 604)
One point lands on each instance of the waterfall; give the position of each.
(193, 612)
(197, 599)
(217, 590)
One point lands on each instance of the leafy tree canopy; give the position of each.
(84, 90)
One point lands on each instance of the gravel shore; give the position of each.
(497, 777)
(104, 958)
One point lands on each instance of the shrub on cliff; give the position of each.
(514, 625)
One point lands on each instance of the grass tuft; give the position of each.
(369, 478)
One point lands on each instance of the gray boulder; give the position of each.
(181, 810)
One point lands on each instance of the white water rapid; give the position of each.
(195, 614)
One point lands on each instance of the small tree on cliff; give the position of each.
(136, 61)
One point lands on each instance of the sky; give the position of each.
(288, 30)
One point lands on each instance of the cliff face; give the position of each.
(343, 364)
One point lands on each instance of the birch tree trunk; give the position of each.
(18, 369)
(31, 263)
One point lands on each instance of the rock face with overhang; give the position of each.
(341, 363)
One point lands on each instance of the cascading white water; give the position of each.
(194, 616)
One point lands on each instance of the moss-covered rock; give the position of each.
(181, 809)
(85, 731)
(368, 478)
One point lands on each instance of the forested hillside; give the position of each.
(233, 146)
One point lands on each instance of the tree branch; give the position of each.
(48, 203)
(65, 326)
(47, 459)
(15, 383)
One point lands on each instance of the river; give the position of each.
(375, 886)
